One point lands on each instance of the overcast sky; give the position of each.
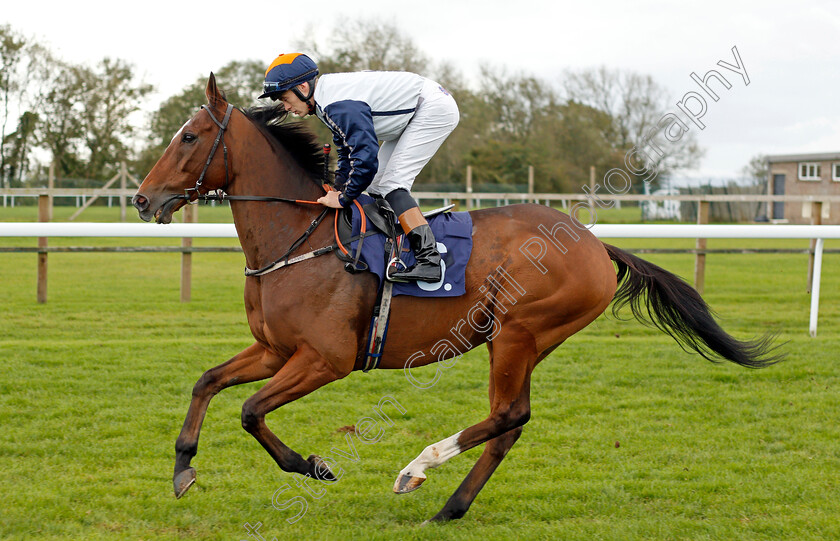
(790, 50)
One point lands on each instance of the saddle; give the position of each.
(379, 218)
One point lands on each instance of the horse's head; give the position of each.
(195, 161)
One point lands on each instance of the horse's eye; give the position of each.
(188, 138)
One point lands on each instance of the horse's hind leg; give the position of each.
(511, 367)
(495, 451)
(252, 364)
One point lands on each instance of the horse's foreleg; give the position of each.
(252, 364)
(304, 372)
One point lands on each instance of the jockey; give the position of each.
(410, 114)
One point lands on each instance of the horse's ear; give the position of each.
(212, 91)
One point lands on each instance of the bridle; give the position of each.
(220, 137)
(220, 195)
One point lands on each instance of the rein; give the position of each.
(285, 261)
(220, 195)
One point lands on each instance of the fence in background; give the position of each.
(725, 203)
(187, 231)
(699, 205)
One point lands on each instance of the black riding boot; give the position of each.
(427, 266)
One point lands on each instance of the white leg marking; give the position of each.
(433, 456)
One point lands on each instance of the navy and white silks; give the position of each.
(410, 114)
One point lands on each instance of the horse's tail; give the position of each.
(664, 300)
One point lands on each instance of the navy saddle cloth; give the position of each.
(453, 233)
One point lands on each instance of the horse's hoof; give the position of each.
(407, 483)
(183, 481)
(319, 469)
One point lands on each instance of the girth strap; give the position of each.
(381, 315)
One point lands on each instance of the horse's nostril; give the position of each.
(140, 202)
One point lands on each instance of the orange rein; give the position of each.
(362, 231)
(341, 247)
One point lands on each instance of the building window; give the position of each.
(835, 171)
(809, 171)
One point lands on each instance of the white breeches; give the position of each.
(402, 159)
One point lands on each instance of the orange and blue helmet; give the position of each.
(286, 72)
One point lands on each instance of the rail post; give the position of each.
(700, 257)
(123, 177)
(815, 287)
(816, 219)
(469, 188)
(531, 184)
(190, 217)
(44, 209)
(51, 187)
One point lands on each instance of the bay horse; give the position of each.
(535, 278)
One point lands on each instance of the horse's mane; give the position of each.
(295, 137)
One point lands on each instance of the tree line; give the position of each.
(87, 119)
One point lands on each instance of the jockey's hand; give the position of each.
(331, 199)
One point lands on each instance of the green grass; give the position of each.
(97, 381)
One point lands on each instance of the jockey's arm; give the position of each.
(353, 133)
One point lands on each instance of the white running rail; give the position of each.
(647, 231)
